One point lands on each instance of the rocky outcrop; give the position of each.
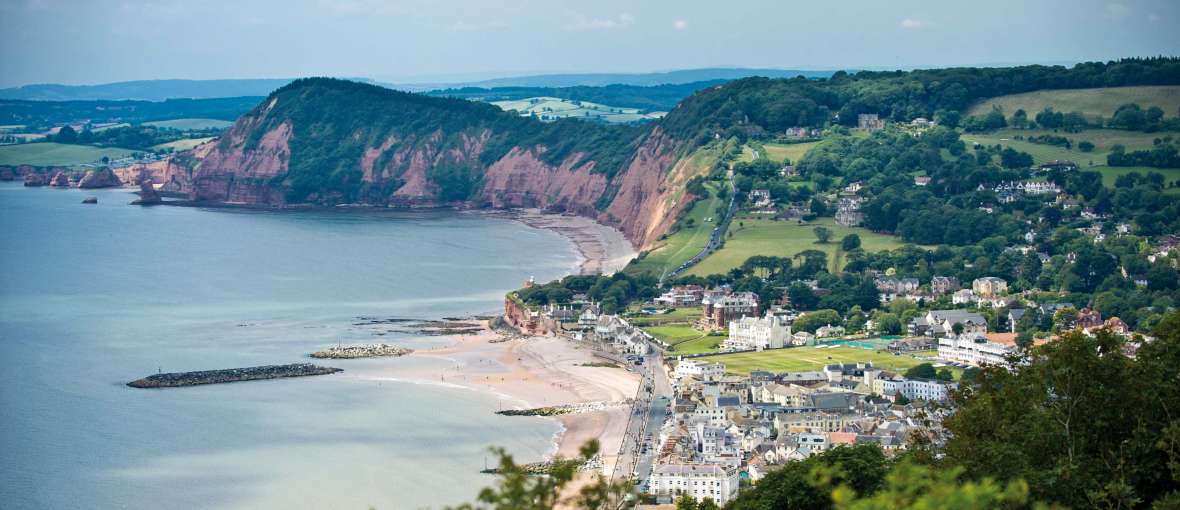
(100, 178)
(90, 200)
(180, 379)
(362, 351)
(60, 180)
(147, 194)
(34, 179)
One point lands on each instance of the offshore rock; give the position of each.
(90, 200)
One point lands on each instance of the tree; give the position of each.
(888, 324)
(957, 328)
(1082, 423)
(1020, 119)
(812, 321)
(850, 242)
(802, 297)
(822, 234)
(1086, 146)
(518, 489)
(860, 468)
(66, 134)
(922, 371)
(912, 485)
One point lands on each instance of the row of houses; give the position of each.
(724, 428)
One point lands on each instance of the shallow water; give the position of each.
(93, 296)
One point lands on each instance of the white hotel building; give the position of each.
(974, 349)
(769, 332)
(697, 480)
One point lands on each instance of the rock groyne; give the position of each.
(179, 379)
(362, 351)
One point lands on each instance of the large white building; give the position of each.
(769, 332)
(700, 369)
(974, 349)
(913, 389)
(697, 480)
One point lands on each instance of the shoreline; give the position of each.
(601, 249)
(531, 372)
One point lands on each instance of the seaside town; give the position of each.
(770, 387)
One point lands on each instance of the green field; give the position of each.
(1103, 140)
(1100, 102)
(683, 315)
(552, 108)
(183, 144)
(803, 359)
(190, 124)
(686, 242)
(791, 151)
(56, 154)
(784, 239)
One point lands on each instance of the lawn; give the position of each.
(190, 124)
(675, 334)
(791, 151)
(183, 144)
(698, 346)
(784, 239)
(56, 154)
(1102, 139)
(803, 359)
(683, 315)
(686, 242)
(1091, 102)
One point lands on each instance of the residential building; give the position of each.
(976, 349)
(718, 311)
(944, 284)
(701, 370)
(698, 480)
(921, 180)
(768, 332)
(760, 197)
(681, 295)
(829, 331)
(913, 389)
(869, 121)
(989, 286)
(941, 323)
(963, 297)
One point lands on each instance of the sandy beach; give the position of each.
(603, 249)
(530, 372)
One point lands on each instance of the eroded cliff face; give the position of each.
(249, 164)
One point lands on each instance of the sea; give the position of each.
(95, 296)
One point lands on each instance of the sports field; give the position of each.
(802, 359)
(784, 239)
(56, 154)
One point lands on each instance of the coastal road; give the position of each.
(648, 415)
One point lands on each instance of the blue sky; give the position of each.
(99, 41)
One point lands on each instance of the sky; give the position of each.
(409, 41)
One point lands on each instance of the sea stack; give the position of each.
(101, 178)
(90, 200)
(60, 180)
(147, 194)
(35, 179)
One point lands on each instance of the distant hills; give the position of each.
(159, 90)
(638, 79)
(145, 90)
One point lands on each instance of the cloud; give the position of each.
(680, 24)
(583, 23)
(911, 23)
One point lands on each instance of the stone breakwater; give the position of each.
(362, 351)
(584, 407)
(179, 379)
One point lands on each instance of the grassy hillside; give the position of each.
(183, 144)
(1099, 102)
(1103, 140)
(552, 108)
(785, 151)
(56, 154)
(783, 239)
(190, 124)
(686, 242)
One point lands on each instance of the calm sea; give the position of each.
(93, 296)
